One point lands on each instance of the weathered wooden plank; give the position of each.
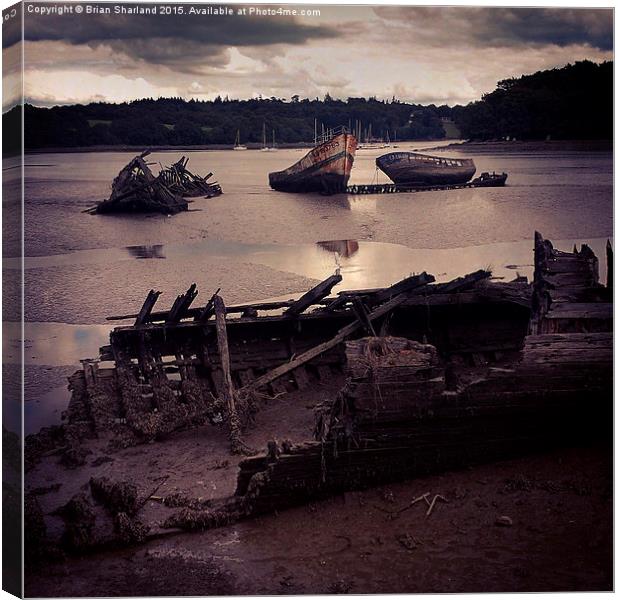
(318, 350)
(312, 296)
(406, 285)
(207, 312)
(227, 389)
(362, 315)
(579, 310)
(147, 307)
(181, 304)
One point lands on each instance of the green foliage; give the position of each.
(173, 121)
(574, 102)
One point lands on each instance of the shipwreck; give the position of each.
(414, 168)
(326, 168)
(136, 189)
(435, 376)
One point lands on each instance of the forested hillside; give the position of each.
(573, 102)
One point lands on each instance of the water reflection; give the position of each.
(346, 248)
(153, 251)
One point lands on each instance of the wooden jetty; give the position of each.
(403, 188)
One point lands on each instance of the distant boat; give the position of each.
(326, 168)
(373, 143)
(490, 180)
(266, 148)
(413, 168)
(238, 144)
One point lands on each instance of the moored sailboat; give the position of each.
(266, 148)
(238, 144)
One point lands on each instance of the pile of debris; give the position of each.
(136, 189)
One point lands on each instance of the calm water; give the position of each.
(257, 244)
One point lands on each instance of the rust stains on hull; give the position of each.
(326, 168)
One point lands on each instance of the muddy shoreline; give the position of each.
(560, 505)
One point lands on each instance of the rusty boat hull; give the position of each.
(326, 168)
(423, 169)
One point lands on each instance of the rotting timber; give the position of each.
(136, 189)
(437, 376)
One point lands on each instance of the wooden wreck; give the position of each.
(437, 376)
(136, 189)
(180, 180)
(408, 409)
(326, 168)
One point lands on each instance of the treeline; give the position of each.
(174, 121)
(574, 102)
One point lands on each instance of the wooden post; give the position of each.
(181, 305)
(207, 312)
(362, 315)
(147, 307)
(227, 389)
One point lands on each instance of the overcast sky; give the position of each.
(419, 54)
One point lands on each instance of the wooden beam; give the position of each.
(461, 283)
(344, 333)
(312, 296)
(227, 389)
(207, 312)
(147, 307)
(406, 285)
(181, 304)
(362, 315)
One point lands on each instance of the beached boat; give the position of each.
(490, 180)
(411, 167)
(326, 168)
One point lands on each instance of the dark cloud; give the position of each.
(508, 26)
(170, 39)
(11, 25)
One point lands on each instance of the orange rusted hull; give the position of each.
(326, 168)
